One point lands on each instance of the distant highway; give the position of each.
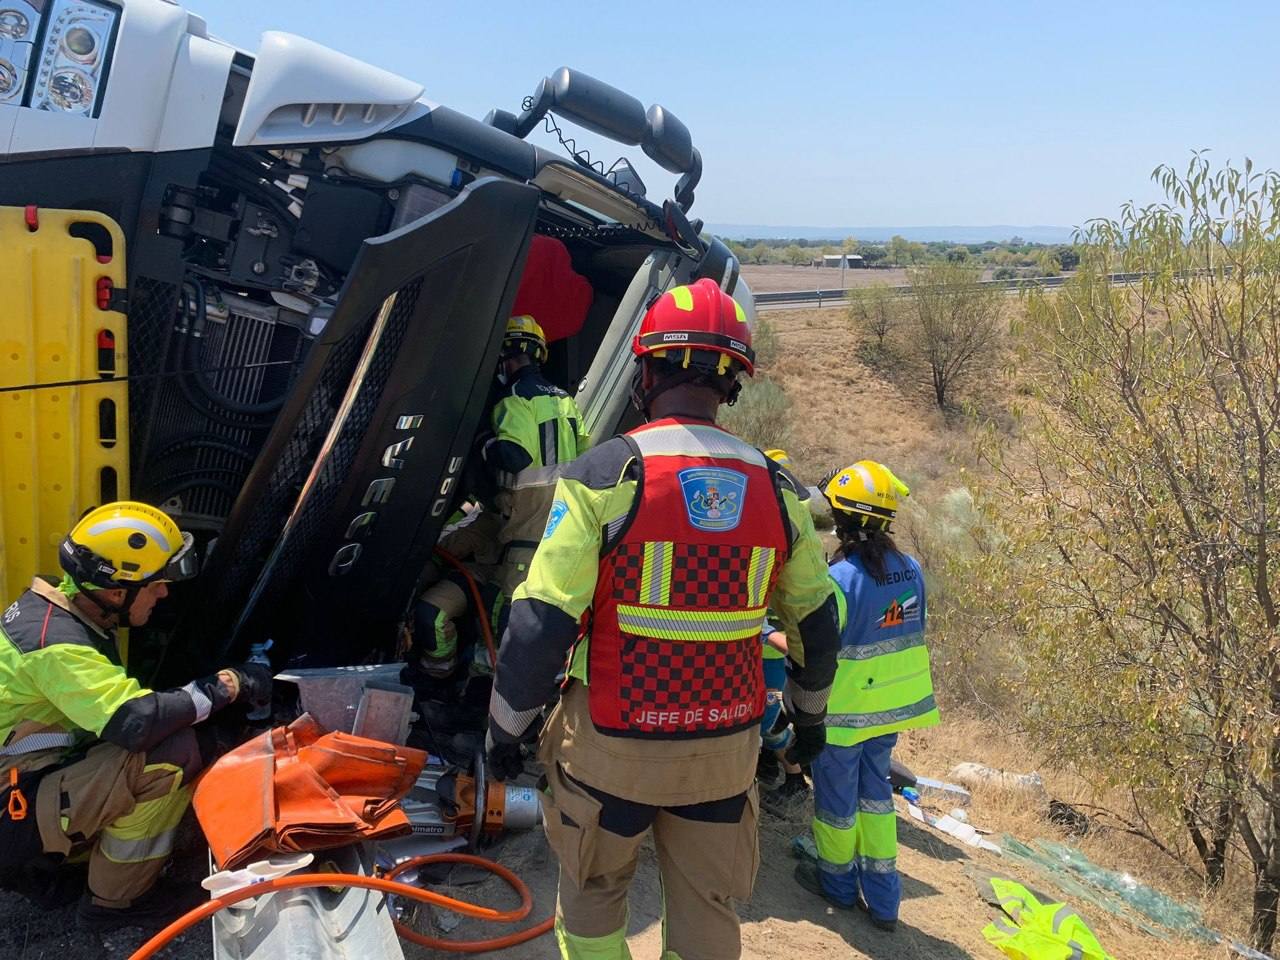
(804, 299)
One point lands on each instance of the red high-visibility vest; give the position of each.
(674, 647)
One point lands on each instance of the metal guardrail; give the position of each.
(1015, 284)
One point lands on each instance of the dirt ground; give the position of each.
(27, 933)
(941, 919)
(942, 915)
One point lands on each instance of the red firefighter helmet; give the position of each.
(698, 325)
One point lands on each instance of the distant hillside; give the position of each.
(1034, 234)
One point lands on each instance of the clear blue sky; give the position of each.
(858, 113)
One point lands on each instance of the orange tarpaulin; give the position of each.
(298, 788)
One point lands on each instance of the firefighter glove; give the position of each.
(254, 684)
(503, 760)
(808, 743)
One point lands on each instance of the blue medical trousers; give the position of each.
(855, 827)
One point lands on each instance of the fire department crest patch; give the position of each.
(713, 496)
(557, 513)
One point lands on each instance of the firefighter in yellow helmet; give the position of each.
(661, 553)
(91, 760)
(883, 686)
(537, 430)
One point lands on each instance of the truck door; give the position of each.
(604, 393)
(328, 539)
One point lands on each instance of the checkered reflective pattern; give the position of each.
(708, 576)
(684, 687)
(628, 568)
(703, 576)
(674, 687)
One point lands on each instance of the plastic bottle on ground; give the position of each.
(258, 654)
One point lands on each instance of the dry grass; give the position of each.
(848, 407)
(964, 736)
(844, 409)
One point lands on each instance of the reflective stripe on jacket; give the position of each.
(60, 674)
(538, 431)
(535, 425)
(883, 682)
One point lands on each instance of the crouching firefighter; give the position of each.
(661, 553)
(537, 430)
(883, 686)
(93, 763)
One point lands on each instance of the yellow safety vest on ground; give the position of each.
(1039, 931)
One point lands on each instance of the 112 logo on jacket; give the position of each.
(901, 610)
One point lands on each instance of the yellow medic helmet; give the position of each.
(126, 545)
(868, 492)
(781, 458)
(524, 335)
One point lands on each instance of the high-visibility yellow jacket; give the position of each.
(1039, 931)
(883, 684)
(538, 431)
(536, 424)
(61, 682)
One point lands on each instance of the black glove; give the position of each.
(503, 761)
(781, 723)
(255, 684)
(808, 743)
(482, 437)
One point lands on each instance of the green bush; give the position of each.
(764, 340)
(975, 662)
(762, 415)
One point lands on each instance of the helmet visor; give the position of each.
(184, 564)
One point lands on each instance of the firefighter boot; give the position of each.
(154, 910)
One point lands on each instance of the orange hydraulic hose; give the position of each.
(383, 885)
(475, 946)
(485, 626)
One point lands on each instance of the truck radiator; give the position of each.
(228, 361)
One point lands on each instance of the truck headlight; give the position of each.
(14, 24)
(70, 90)
(80, 44)
(72, 68)
(8, 79)
(19, 22)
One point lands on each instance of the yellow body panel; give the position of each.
(57, 455)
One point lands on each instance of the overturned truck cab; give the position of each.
(312, 266)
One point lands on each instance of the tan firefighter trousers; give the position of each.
(708, 854)
(124, 808)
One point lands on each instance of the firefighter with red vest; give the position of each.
(663, 548)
